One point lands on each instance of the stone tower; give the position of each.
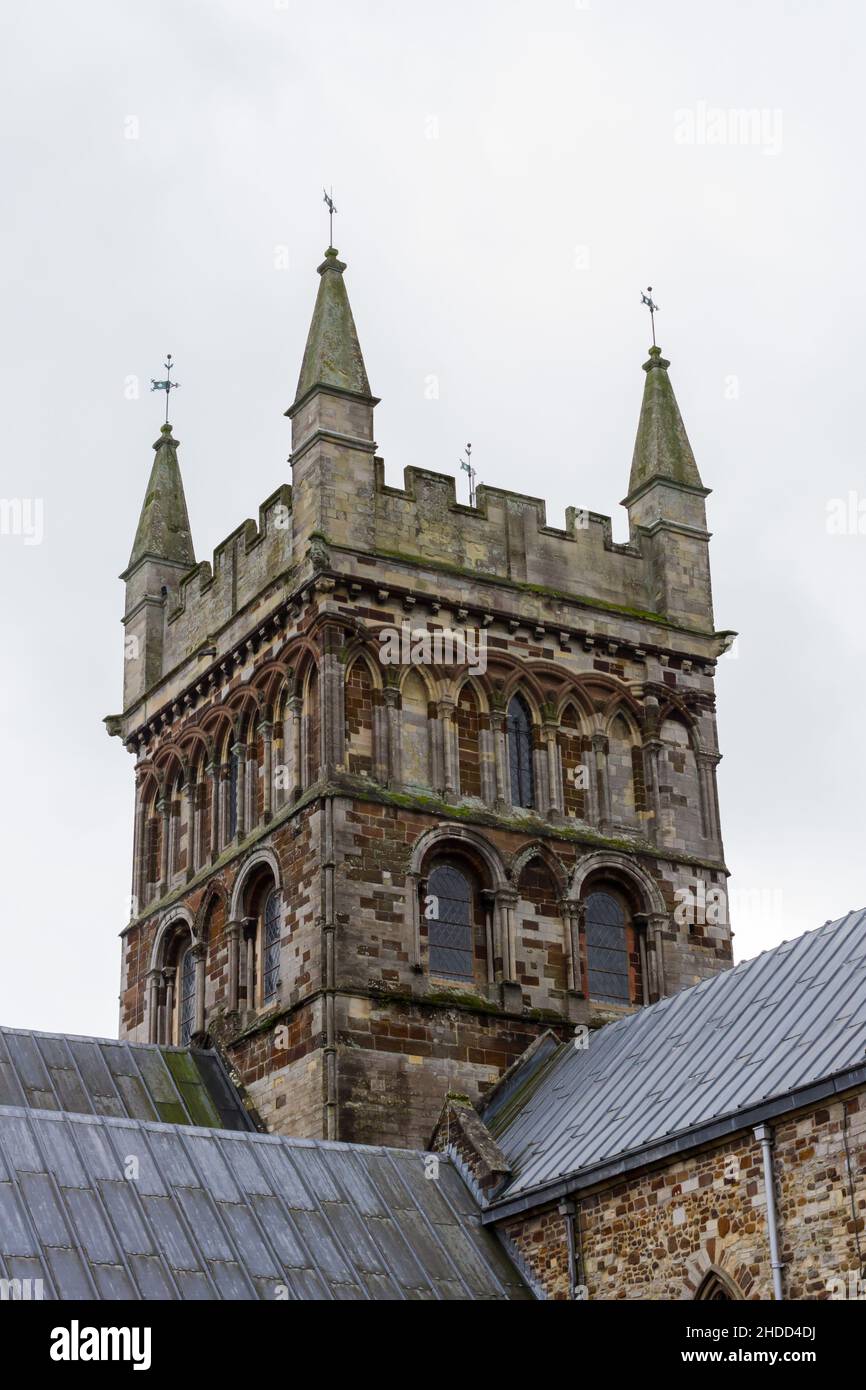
(415, 781)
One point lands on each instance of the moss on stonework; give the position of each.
(187, 1079)
(521, 586)
(459, 998)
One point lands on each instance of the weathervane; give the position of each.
(329, 199)
(653, 308)
(466, 465)
(167, 386)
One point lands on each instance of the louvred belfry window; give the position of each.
(449, 922)
(519, 727)
(607, 949)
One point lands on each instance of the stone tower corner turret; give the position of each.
(667, 504)
(333, 449)
(162, 553)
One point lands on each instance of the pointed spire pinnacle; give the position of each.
(163, 527)
(333, 356)
(662, 449)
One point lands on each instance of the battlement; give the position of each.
(245, 565)
(507, 536)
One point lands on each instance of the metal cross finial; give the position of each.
(329, 199)
(167, 386)
(653, 308)
(466, 465)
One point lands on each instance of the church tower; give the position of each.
(415, 781)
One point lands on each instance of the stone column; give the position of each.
(500, 760)
(250, 932)
(154, 980)
(451, 784)
(710, 820)
(380, 738)
(506, 905)
(188, 794)
(487, 759)
(332, 699)
(296, 709)
(166, 1020)
(656, 924)
(251, 798)
(600, 748)
(553, 806)
(266, 729)
(233, 934)
(213, 775)
(573, 915)
(651, 752)
(488, 902)
(412, 917)
(163, 807)
(392, 707)
(587, 759)
(239, 752)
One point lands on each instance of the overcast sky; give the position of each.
(508, 177)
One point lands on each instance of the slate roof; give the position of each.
(98, 1207)
(793, 1018)
(100, 1076)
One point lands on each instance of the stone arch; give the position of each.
(245, 707)
(715, 1265)
(439, 838)
(216, 893)
(246, 872)
(574, 698)
(167, 931)
(523, 685)
(478, 688)
(619, 866)
(537, 849)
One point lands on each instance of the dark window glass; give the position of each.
(271, 947)
(233, 796)
(449, 922)
(520, 753)
(607, 949)
(186, 1000)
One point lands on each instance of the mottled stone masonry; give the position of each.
(659, 1233)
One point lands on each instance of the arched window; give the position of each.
(520, 753)
(607, 949)
(271, 948)
(449, 922)
(186, 999)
